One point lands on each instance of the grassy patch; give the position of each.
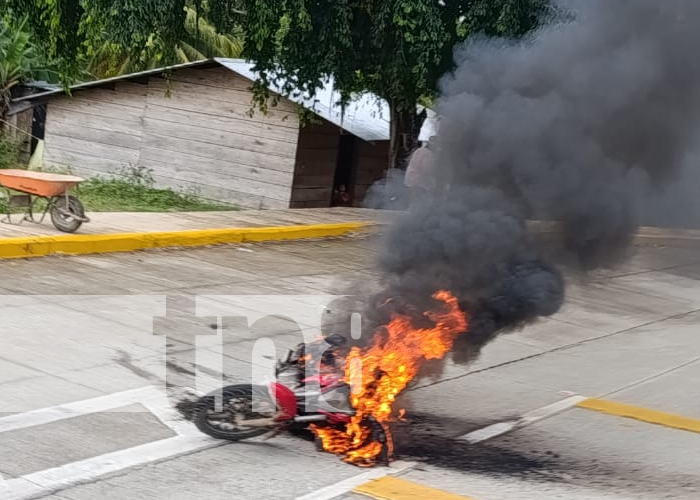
(133, 191)
(117, 195)
(9, 149)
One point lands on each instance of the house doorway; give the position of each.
(344, 178)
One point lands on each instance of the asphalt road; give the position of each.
(88, 344)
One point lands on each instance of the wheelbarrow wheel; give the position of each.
(67, 213)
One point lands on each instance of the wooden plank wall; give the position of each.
(371, 164)
(317, 155)
(200, 139)
(97, 131)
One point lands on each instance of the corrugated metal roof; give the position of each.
(366, 116)
(104, 81)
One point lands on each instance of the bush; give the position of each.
(132, 189)
(9, 152)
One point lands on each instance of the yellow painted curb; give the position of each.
(393, 488)
(78, 244)
(642, 414)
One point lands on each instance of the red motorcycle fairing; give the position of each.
(286, 400)
(336, 418)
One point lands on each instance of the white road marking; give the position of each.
(188, 439)
(163, 410)
(489, 432)
(75, 473)
(347, 485)
(529, 418)
(78, 408)
(43, 482)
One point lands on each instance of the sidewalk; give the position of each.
(127, 231)
(137, 222)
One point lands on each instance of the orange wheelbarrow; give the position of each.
(67, 212)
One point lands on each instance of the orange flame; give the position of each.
(378, 373)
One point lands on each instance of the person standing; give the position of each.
(420, 176)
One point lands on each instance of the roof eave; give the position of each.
(106, 81)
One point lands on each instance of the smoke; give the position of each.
(388, 193)
(577, 124)
(580, 120)
(676, 204)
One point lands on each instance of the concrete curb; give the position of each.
(75, 244)
(40, 246)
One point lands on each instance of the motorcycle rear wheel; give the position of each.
(228, 421)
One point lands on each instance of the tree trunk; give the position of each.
(4, 108)
(405, 127)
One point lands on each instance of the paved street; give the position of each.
(88, 343)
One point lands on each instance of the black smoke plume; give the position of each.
(575, 125)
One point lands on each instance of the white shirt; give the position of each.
(420, 172)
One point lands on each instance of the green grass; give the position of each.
(132, 191)
(117, 195)
(9, 149)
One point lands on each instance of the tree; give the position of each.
(397, 49)
(111, 36)
(20, 61)
(54, 28)
(200, 40)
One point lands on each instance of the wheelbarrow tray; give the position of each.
(38, 183)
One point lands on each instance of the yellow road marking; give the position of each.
(642, 414)
(394, 488)
(75, 244)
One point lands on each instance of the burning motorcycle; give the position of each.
(346, 398)
(309, 389)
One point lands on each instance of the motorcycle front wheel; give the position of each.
(235, 412)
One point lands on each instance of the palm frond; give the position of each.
(204, 37)
(20, 60)
(189, 53)
(181, 55)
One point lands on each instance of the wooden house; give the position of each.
(195, 133)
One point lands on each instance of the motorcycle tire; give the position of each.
(235, 400)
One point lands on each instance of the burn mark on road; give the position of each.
(179, 369)
(433, 440)
(458, 455)
(124, 359)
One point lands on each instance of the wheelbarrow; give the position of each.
(67, 212)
